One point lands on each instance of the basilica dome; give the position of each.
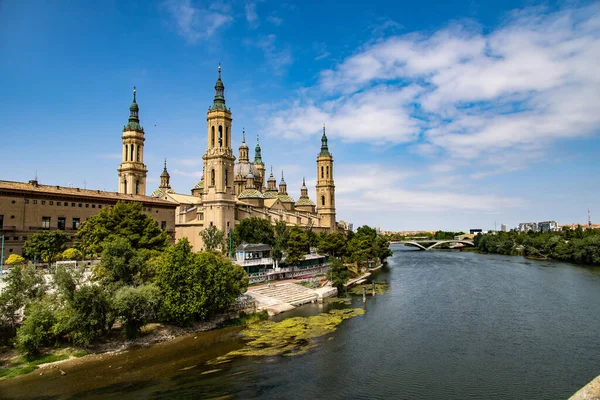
(243, 169)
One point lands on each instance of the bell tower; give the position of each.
(325, 186)
(218, 198)
(132, 171)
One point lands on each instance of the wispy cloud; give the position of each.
(110, 156)
(275, 20)
(251, 15)
(197, 21)
(277, 57)
(193, 174)
(190, 162)
(462, 94)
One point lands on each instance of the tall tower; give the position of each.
(165, 178)
(260, 166)
(218, 198)
(325, 186)
(132, 171)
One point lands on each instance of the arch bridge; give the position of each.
(428, 244)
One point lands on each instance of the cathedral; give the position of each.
(231, 189)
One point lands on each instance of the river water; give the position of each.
(453, 326)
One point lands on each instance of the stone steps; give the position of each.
(288, 293)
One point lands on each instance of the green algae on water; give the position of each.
(290, 337)
(381, 287)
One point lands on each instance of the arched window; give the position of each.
(322, 200)
(226, 178)
(125, 186)
(212, 177)
(131, 152)
(126, 151)
(322, 172)
(327, 169)
(212, 135)
(227, 137)
(137, 187)
(220, 135)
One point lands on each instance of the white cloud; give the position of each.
(275, 20)
(190, 162)
(359, 187)
(197, 21)
(277, 58)
(465, 94)
(251, 15)
(193, 174)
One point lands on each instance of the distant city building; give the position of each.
(502, 228)
(475, 231)
(527, 226)
(547, 226)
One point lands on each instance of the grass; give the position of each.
(21, 366)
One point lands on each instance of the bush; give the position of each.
(15, 259)
(36, 331)
(71, 254)
(91, 314)
(136, 305)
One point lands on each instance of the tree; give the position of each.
(45, 245)
(280, 243)
(71, 254)
(136, 305)
(212, 237)
(15, 259)
(339, 275)
(333, 244)
(23, 285)
(197, 285)
(91, 314)
(253, 230)
(124, 220)
(36, 330)
(121, 263)
(297, 246)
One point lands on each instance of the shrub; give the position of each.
(36, 331)
(136, 305)
(15, 259)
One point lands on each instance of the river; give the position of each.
(453, 326)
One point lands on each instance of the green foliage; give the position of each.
(23, 285)
(339, 276)
(297, 246)
(15, 259)
(36, 331)
(253, 230)
(124, 220)
(212, 237)
(570, 245)
(136, 305)
(197, 285)
(71, 254)
(45, 245)
(282, 235)
(333, 244)
(123, 264)
(89, 315)
(65, 282)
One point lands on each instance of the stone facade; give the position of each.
(27, 208)
(231, 191)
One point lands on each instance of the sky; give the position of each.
(441, 114)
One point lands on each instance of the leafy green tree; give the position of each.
(36, 331)
(382, 245)
(339, 275)
(137, 305)
(45, 245)
(122, 263)
(282, 234)
(313, 239)
(212, 237)
(197, 285)
(15, 259)
(253, 230)
(23, 285)
(297, 246)
(124, 220)
(91, 314)
(72, 254)
(333, 244)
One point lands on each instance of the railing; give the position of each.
(255, 261)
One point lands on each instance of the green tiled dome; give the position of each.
(251, 194)
(305, 202)
(199, 185)
(161, 192)
(270, 195)
(286, 198)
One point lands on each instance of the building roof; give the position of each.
(286, 198)
(244, 168)
(270, 194)
(253, 247)
(251, 194)
(34, 188)
(200, 185)
(305, 202)
(160, 192)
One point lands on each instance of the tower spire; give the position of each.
(324, 147)
(219, 101)
(257, 154)
(134, 119)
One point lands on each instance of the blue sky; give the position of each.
(441, 114)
